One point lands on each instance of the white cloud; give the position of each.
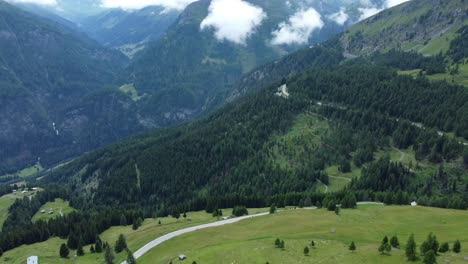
(340, 17)
(233, 20)
(368, 12)
(38, 2)
(392, 3)
(138, 4)
(299, 28)
(370, 9)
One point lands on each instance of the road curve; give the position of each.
(140, 252)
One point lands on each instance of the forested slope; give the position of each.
(228, 155)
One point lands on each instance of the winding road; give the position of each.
(140, 252)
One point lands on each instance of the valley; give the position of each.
(299, 132)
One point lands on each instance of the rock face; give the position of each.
(53, 103)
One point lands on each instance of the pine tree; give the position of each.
(394, 242)
(431, 243)
(64, 251)
(457, 247)
(123, 220)
(281, 244)
(120, 244)
(444, 247)
(277, 242)
(185, 215)
(388, 248)
(1, 252)
(80, 251)
(159, 222)
(430, 257)
(99, 245)
(352, 247)
(272, 208)
(410, 249)
(73, 241)
(337, 210)
(312, 244)
(130, 257)
(306, 251)
(108, 255)
(92, 249)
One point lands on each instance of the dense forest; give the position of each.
(226, 155)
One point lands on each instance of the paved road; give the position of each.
(166, 237)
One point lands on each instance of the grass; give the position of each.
(336, 184)
(130, 90)
(48, 251)
(58, 206)
(290, 148)
(251, 241)
(7, 200)
(461, 78)
(26, 172)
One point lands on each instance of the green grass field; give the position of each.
(59, 206)
(26, 172)
(130, 90)
(251, 241)
(48, 251)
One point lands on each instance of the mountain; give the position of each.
(190, 70)
(281, 143)
(56, 96)
(423, 26)
(129, 31)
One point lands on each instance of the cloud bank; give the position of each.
(138, 4)
(38, 2)
(233, 20)
(340, 17)
(299, 28)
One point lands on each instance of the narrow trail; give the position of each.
(326, 186)
(339, 178)
(401, 152)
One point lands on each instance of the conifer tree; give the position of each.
(306, 251)
(457, 246)
(108, 255)
(410, 249)
(352, 247)
(120, 244)
(80, 251)
(64, 251)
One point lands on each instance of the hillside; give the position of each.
(242, 154)
(423, 26)
(129, 31)
(53, 81)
